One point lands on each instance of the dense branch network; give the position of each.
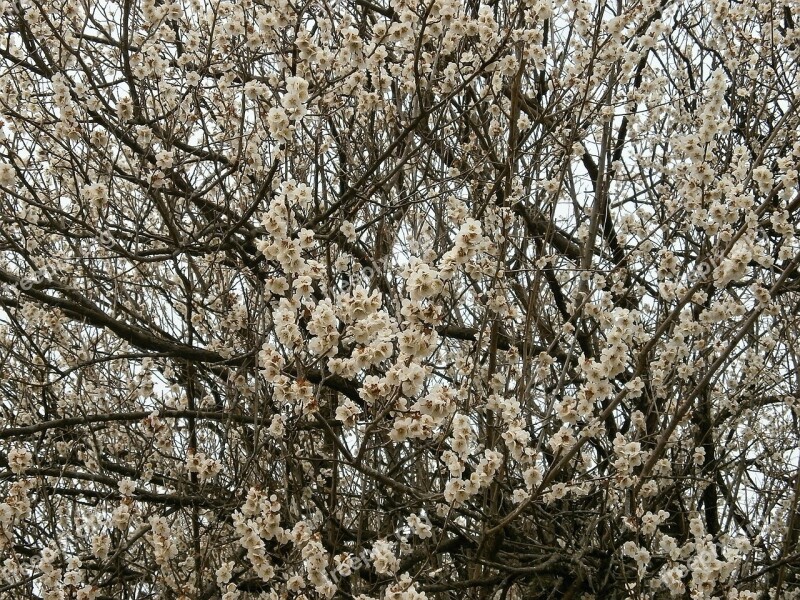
(403, 300)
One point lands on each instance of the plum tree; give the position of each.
(399, 299)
